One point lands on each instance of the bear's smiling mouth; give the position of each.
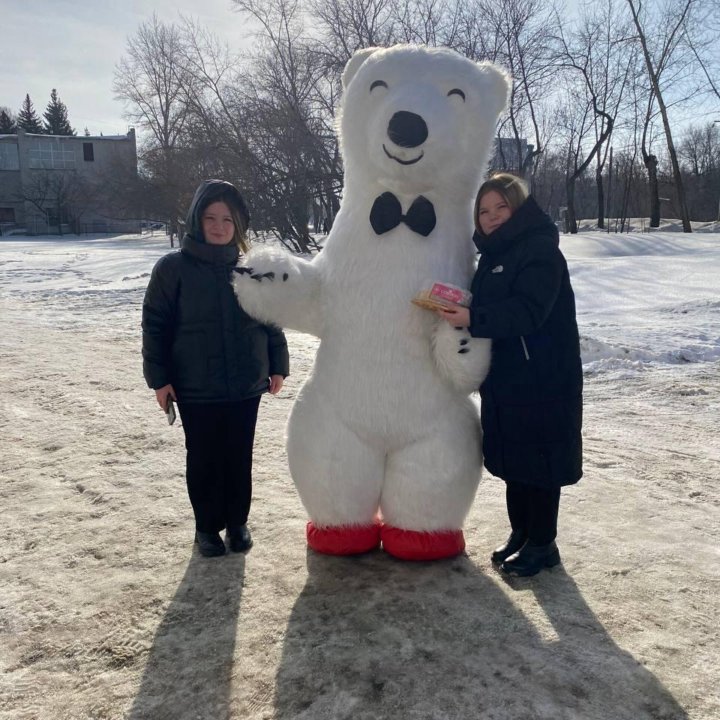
(404, 162)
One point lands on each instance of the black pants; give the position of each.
(219, 441)
(533, 511)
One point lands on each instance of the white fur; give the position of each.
(461, 369)
(293, 303)
(384, 423)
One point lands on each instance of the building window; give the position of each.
(9, 159)
(51, 154)
(7, 215)
(88, 152)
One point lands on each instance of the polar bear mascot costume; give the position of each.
(383, 441)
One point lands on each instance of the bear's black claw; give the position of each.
(259, 276)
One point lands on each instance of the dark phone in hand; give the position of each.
(170, 412)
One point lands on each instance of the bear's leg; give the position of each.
(338, 477)
(429, 488)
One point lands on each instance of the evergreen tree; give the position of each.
(27, 119)
(56, 116)
(87, 132)
(7, 123)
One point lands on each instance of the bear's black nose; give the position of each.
(407, 129)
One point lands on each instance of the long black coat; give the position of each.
(195, 334)
(531, 407)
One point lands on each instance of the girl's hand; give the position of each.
(457, 317)
(162, 394)
(276, 383)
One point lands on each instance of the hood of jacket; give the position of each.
(529, 217)
(208, 192)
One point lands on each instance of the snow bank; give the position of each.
(642, 299)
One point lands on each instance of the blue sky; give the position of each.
(74, 47)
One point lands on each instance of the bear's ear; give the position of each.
(496, 86)
(354, 63)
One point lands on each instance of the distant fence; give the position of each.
(153, 227)
(39, 226)
(110, 226)
(11, 228)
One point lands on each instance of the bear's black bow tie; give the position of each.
(386, 214)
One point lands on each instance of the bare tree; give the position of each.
(429, 22)
(650, 160)
(578, 122)
(265, 120)
(593, 52)
(151, 79)
(515, 33)
(704, 48)
(348, 25)
(286, 109)
(661, 47)
(62, 197)
(699, 152)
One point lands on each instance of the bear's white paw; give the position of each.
(266, 264)
(461, 359)
(278, 288)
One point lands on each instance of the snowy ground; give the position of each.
(106, 611)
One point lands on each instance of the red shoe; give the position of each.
(343, 539)
(415, 545)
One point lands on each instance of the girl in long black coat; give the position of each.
(201, 349)
(532, 397)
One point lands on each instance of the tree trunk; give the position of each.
(679, 187)
(655, 82)
(653, 190)
(570, 219)
(600, 198)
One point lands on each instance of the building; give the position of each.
(59, 183)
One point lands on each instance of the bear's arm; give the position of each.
(462, 360)
(280, 289)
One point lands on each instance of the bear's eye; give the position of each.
(378, 83)
(457, 91)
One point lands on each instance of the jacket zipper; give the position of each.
(525, 350)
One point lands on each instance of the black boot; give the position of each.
(209, 544)
(239, 538)
(512, 545)
(531, 559)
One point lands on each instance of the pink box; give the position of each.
(451, 293)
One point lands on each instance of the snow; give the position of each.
(645, 298)
(107, 611)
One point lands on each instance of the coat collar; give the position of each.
(528, 217)
(213, 254)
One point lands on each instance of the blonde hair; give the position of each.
(240, 237)
(510, 187)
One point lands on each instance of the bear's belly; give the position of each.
(375, 364)
(382, 385)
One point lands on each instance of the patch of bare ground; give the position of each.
(107, 611)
